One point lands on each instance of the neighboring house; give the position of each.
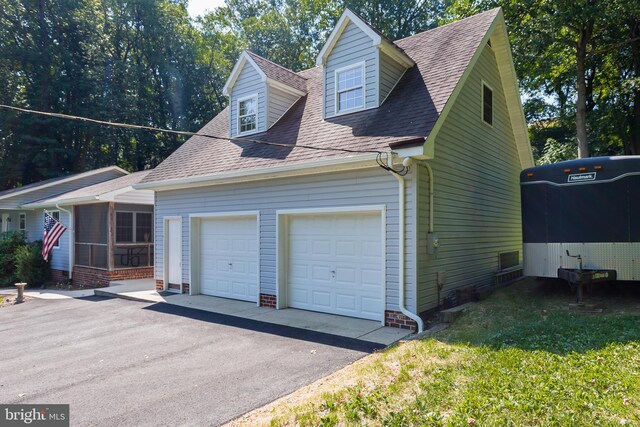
(327, 230)
(109, 224)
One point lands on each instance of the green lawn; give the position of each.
(519, 358)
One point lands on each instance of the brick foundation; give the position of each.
(100, 278)
(60, 276)
(171, 286)
(267, 300)
(396, 319)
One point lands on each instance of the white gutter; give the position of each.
(72, 245)
(294, 169)
(66, 202)
(401, 245)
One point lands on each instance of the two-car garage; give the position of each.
(326, 261)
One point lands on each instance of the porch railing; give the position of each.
(133, 255)
(95, 255)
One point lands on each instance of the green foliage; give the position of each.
(555, 151)
(517, 358)
(31, 268)
(10, 242)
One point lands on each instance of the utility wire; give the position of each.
(379, 158)
(182, 132)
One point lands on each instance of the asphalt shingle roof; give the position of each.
(98, 189)
(279, 73)
(410, 112)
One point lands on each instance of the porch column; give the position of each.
(111, 238)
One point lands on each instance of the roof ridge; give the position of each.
(274, 63)
(449, 23)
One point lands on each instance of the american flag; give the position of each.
(52, 232)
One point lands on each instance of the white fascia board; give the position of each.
(394, 53)
(144, 197)
(297, 169)
(63, 202)
(347, 16)
(285, 88)
(65, 180)
(235, 73)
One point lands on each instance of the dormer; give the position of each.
(361, 67)
(260, 92)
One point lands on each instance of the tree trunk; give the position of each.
(634, 140)
(581, 89)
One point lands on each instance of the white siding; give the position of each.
(353, 47)
(477, 194)
(279, 102)
(248, 83)
(390, 73)
(364, 187)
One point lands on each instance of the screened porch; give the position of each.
(113, 236)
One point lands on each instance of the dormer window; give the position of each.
(248, 114)
(350, 88)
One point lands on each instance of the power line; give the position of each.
(182, 132)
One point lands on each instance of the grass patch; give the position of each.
(518, 358)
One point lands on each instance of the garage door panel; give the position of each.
(228, 258)
(342, 267)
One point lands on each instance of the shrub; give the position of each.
(9, 244)
(30, 267)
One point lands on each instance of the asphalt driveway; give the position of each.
(120, 362)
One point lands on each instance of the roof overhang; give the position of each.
(237, 69)
(500, 43)
(360, 161)
(141, 196)
(377, 40)
(65, 180)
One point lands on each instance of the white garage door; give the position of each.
(335, 264)
(229, 258)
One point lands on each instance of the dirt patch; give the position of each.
(9, 300)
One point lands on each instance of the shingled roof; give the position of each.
(441, 55)
(278, 73)
(92, 191)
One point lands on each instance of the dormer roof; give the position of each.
(270, 73)
(377, 39)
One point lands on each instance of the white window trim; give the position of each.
(336, 106)
(134, 226)
(238, 117)
(20, 216)
(482, 85)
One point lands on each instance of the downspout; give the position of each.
(71, 240)
(401, 245)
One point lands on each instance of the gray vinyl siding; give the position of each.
(248, 83)
(35, 227)
(355, 188)
(54, 190)
(390, 73)
(353, 47)
(477, 195)
(279, 102)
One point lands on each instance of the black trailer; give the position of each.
(588, 208)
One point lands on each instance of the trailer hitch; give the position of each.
(578, 278)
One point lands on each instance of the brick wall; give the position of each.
(396, 319)
(159, 285)
(185, 288)
(60, 276)
(267, 300)
(100, 278)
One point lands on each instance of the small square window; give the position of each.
(487, 104)
(22, 226)
(248, 114)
